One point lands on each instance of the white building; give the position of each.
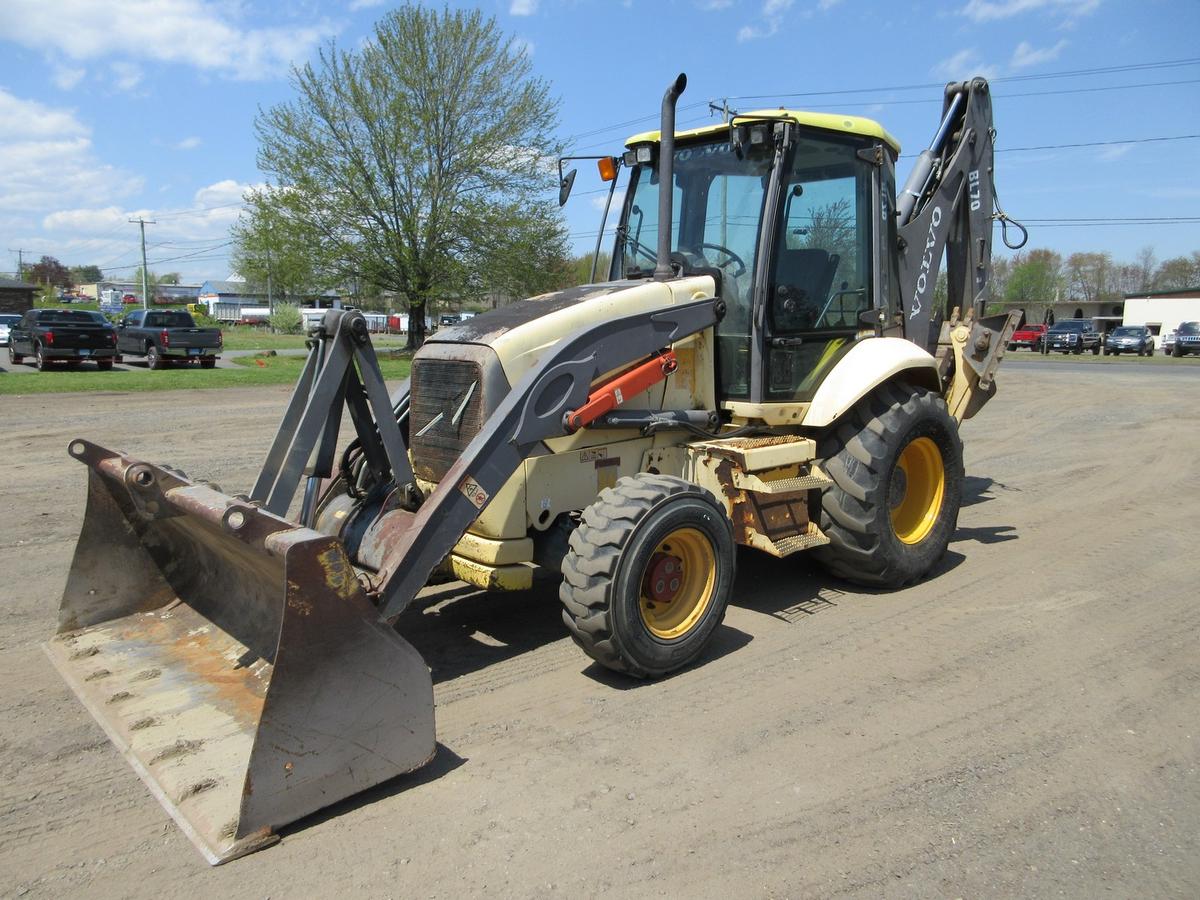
(1162, 311)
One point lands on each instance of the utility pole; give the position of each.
(145, 283)
(20, 260)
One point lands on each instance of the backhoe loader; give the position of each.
(763, 365)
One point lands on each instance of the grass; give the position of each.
(249, 373)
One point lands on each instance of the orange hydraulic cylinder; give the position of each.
(613, 392)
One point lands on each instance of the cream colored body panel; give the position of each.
(520, 348)
(868, 364)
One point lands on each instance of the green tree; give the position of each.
(151, 284)
(273, 247)
(85, 274)
(286, 319)
(1178, 273)
(1034, 277)
(421, 162)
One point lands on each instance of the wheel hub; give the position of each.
(678, 584)
(664, 576)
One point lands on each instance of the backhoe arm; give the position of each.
(946, 206)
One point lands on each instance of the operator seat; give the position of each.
(803, 278)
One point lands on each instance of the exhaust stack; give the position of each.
(666, 174)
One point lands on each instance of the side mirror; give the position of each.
(564, 187)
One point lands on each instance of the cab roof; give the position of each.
(856, 125)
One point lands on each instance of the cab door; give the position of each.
(821, 275)
(127, 342)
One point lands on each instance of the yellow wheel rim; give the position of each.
(678, 583)
(918, 485)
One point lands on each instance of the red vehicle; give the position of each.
(1030, 336)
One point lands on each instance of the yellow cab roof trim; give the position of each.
(826, 121)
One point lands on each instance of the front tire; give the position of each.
(15, 358)
(896, 465)
(648, 574)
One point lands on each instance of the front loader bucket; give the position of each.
(232, 656)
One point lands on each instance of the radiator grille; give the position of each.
(450, 392)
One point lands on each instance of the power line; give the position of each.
(1069, 73)
(1074, 73)
(1150, 140)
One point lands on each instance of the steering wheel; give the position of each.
(733, 258)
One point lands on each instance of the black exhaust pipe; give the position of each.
(666, 176)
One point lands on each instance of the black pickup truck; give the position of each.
(62, 336)
(1072, 336)
(166, 336)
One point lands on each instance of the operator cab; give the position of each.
(782, 208)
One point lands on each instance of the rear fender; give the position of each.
(869, 364)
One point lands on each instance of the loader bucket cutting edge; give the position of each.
(232, 657)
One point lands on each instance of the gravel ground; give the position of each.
(1022, 723)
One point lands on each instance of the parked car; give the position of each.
(166, 336)
(130, 298)
(7, 320)
(1187, 339)
(1030, 336)
(62, 336)
(1130, 339)
(1073, 336)
(1168, 343)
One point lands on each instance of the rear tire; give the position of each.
(896, 465)
(647, 575)
(153, 359)
(104, 365)
(208, 363)
(39, 360)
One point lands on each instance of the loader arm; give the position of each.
(946, 206)
(404, 548)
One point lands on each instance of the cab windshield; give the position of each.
(1189, 328)
(818, 279)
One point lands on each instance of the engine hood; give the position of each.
(519, 333)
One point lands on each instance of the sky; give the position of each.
(112, 110)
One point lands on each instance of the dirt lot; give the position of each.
(1023, 723)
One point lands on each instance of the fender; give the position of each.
(869, 364)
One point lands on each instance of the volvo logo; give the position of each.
(453, 412)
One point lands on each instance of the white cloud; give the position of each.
(772, 18)
(994, 10)
(523, 7)
(1028, 55)
(826, 5)
(188, 143)
(364, 4)
(712, 5)
(80, 234)
(962, 65)
(200, 33)
(65, 77)
(126, 75)
(1109, 154)
(46, 159)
